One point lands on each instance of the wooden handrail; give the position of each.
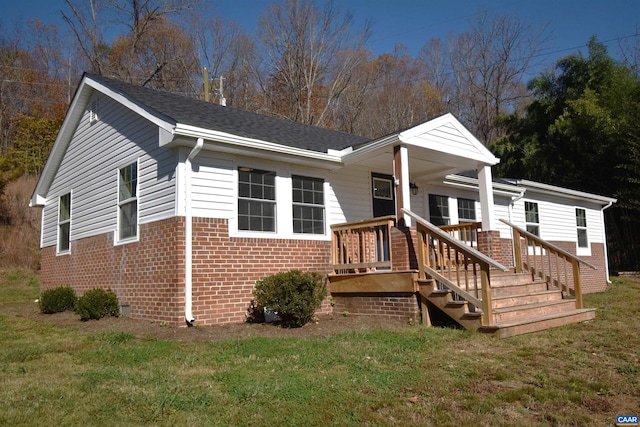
(464, 232)
(454, 264)
(362, 245)
(548, 245)
(545, 269)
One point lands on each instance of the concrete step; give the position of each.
(527, 311)
(541, 323)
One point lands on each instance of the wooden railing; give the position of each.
(362, 246)
(466, 232)
(548, 262)
(452, 263)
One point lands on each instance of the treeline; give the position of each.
(308, 61)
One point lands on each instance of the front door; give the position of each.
(383, 192)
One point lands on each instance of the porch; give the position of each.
(447, 271)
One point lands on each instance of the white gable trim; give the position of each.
(85, 91)
(416, 137)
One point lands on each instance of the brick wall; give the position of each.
(226, 269)
(147, 275)
(403, 306)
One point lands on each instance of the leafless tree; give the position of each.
(307, 64)
(489, 63)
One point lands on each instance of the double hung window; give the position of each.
(256, 200)
(439, 209)
(308, 205)
(532, 219)
(581, 224)
(64, 223)
(128, 202)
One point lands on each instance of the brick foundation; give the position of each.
(148, 275)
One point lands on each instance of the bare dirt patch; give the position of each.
(144, 329)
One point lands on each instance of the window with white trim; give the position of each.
(466, 210)
(439, 209)
(581, 225)
(128, 202)
(308, 205)
(64, 223)
(532, 219)
(256, 200)
(467, 214)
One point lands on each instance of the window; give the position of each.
(466, 210)
(382, 189)
(581, 224)
(308, 205)
(64, 222)
(128, 202)
(532, 219)
(467, 214)
(256, 200)
(438, 209)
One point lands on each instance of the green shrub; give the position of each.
(294, 295)
(57, 300)
(97, 303)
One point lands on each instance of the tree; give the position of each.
(154, 51)
(581, 132)
(309, 55)
(480, 73)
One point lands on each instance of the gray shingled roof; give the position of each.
(189, 111)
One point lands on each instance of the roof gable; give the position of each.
(447, 135)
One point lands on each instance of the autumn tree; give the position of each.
(153, 51)
(307, 61)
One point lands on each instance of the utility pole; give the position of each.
(205, 78)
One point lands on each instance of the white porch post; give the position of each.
(486, 198)
(401, 173)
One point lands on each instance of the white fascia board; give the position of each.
(574, 194)
(85, 90)
(69, 124)
(249, 144)
(351, 156)
(162, 121)
(472, 183)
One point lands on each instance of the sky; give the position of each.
(570, 23)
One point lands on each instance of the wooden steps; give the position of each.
(520, 305)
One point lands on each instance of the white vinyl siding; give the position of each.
(96, 151)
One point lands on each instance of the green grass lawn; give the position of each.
(583, 374)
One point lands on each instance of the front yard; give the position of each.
(59, 371)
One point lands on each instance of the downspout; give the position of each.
(606, 252)
(188, 235)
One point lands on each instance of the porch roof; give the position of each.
(436, 148)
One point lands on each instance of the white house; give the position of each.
(180, 206)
